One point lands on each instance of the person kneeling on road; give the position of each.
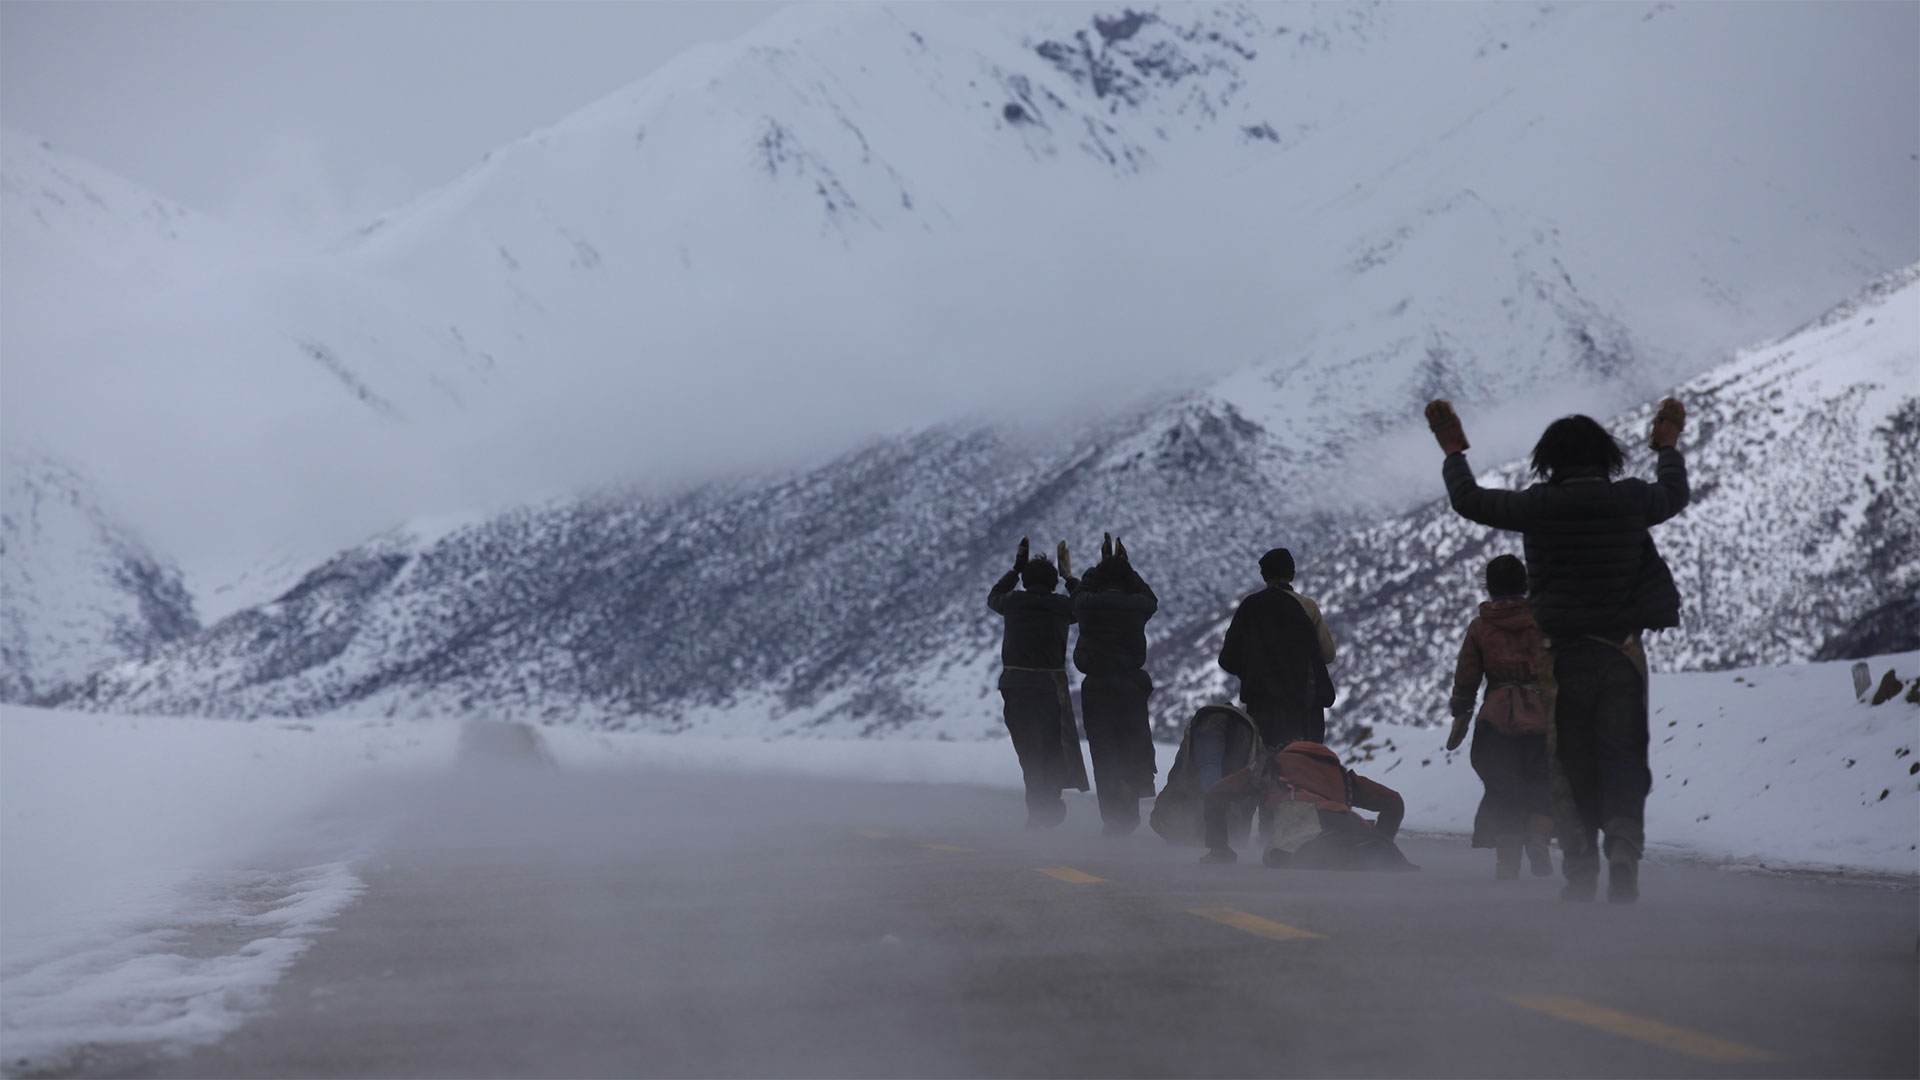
(1308, 801)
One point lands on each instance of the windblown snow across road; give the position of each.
(526, 919)
(372, 898)
(158, 874)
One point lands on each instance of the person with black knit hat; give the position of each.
(1279, 647)
(1033, 684)
(1112, 605)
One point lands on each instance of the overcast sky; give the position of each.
(310, 116)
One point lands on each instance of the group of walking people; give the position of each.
(1560, 738)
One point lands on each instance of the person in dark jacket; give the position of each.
(1594, 582)
(1033, 682)
(1510, 739)
(1307, 814)
(1112, 605)
(1279, 647)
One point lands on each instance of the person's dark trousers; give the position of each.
(1600, 732)
(1033, 719)
(1120, 741)
(1214, 811)
(1513, 769)
(1282, 724)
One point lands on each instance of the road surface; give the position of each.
(525, 920)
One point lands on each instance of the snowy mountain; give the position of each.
(863, 219)
(78, 590)
(1209, 259)
(1802, 540)
(849, 598)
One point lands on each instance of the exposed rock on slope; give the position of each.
(78, 590)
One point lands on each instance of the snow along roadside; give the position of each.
(1768, 767)
(157, 873)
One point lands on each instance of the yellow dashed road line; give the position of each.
(1691, 1043)
(947, 847)
(1254, 924)
(1068, 873)
(873, 834)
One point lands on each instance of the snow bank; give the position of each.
(157, 873)
(1774, 767)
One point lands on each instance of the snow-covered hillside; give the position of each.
(78, 589)
(862, 219)
(849, 598)
(1802, 540)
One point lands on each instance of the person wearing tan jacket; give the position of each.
(1509, 753)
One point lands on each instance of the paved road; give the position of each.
(528, 921)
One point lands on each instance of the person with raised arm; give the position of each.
(1594, 582)
(1033, 682)
(1112, 605)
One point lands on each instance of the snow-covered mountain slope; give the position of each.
(863, 219)
(849, 598)
(1802, 540)
(82, 242)
(78, 590)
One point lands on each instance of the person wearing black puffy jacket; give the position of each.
(1594, 582)
(1112, 605)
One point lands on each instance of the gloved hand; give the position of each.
(1020, 557)
(1060, 556)
(1445, 425)
(1458, 734)
(1668, 421)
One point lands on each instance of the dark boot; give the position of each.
(1044, 813)
(1506, 860)
(1539, 856)
(1582, 870)
(1623, 871)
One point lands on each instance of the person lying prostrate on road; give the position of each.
(1220, 739)
(1308, 801)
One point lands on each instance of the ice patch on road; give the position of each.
(188, 982)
